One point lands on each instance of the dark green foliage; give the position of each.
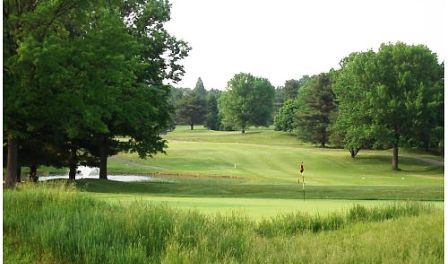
(212, 117)
(291, 89)
(279, 99)
(247, 101)
(199, 89)
(316, 104)
(192, 109)
(75, 72)
(284, 120)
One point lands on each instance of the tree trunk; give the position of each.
(243, 126)
(73, 164)
(19, 173)
(191, 126)
(33, 173)
(354, 152)
(12, 162)
(322, 144)
(395, 157)
(103, 158)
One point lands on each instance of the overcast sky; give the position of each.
(282, 40)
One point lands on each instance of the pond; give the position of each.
(85, 172)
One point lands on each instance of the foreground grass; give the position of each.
(61, 225)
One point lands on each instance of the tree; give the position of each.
(284, 120)
(352, 125)
(28, 25)
(248, 100)
(199, 89)
(388, 89)
(279, 99)
(89, 72)
(192, 109)
(291, 89)
(212, 117)
(316, 103)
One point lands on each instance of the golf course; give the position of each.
(246, 185)
(224, 132)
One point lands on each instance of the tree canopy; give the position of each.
(86, 72)
(248, 100)
(316, 104)
(388, 95)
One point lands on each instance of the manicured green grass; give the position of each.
(269, 157)
(257, 200)
(60, 225)
(181, 187)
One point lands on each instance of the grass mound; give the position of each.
(58, 224)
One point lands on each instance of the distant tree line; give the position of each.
(247, 101)
(84, 80)
(376, 100)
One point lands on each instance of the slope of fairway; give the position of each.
(264, 156)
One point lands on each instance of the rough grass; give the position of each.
(57, 224)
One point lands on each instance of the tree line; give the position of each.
(247, 101)
(84, 80)
(376, 100)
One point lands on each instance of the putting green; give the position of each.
(255, 208)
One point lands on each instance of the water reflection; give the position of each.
(85, 172)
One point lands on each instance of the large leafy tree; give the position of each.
(247, 101)
(352, 127)
(144, 108)
(75, 68)
(316, 105)
(29, 28)
(390, 93)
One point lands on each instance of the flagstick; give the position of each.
(303, 185)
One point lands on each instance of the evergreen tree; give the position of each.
(212, 118)
(316, 103)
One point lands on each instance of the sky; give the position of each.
(285, 39)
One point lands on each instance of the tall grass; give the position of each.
(61, 225)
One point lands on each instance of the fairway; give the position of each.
(266, 156)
